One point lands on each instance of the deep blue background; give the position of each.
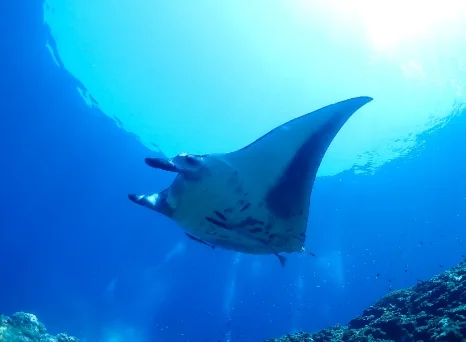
(67, 228)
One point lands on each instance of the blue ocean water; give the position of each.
(75, 252)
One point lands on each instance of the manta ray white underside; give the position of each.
(254, 200)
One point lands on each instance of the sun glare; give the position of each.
(389, 24)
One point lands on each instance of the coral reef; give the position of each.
(433, 310)
(25, 327)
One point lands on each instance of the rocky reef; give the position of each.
(25, 327)
(433, 310)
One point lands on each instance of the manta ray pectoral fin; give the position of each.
(283, 163)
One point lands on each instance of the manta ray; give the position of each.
(254, 200)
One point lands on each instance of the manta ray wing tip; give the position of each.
(367, 98)
(364, 99)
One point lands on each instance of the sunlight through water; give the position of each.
(211, 76)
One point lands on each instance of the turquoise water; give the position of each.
(211, 76)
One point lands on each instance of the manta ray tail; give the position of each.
(307, 251)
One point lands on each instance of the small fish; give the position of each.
(199, 240)
(377, 275)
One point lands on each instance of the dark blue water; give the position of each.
(67, 229)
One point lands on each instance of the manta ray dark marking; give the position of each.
(219, 214)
